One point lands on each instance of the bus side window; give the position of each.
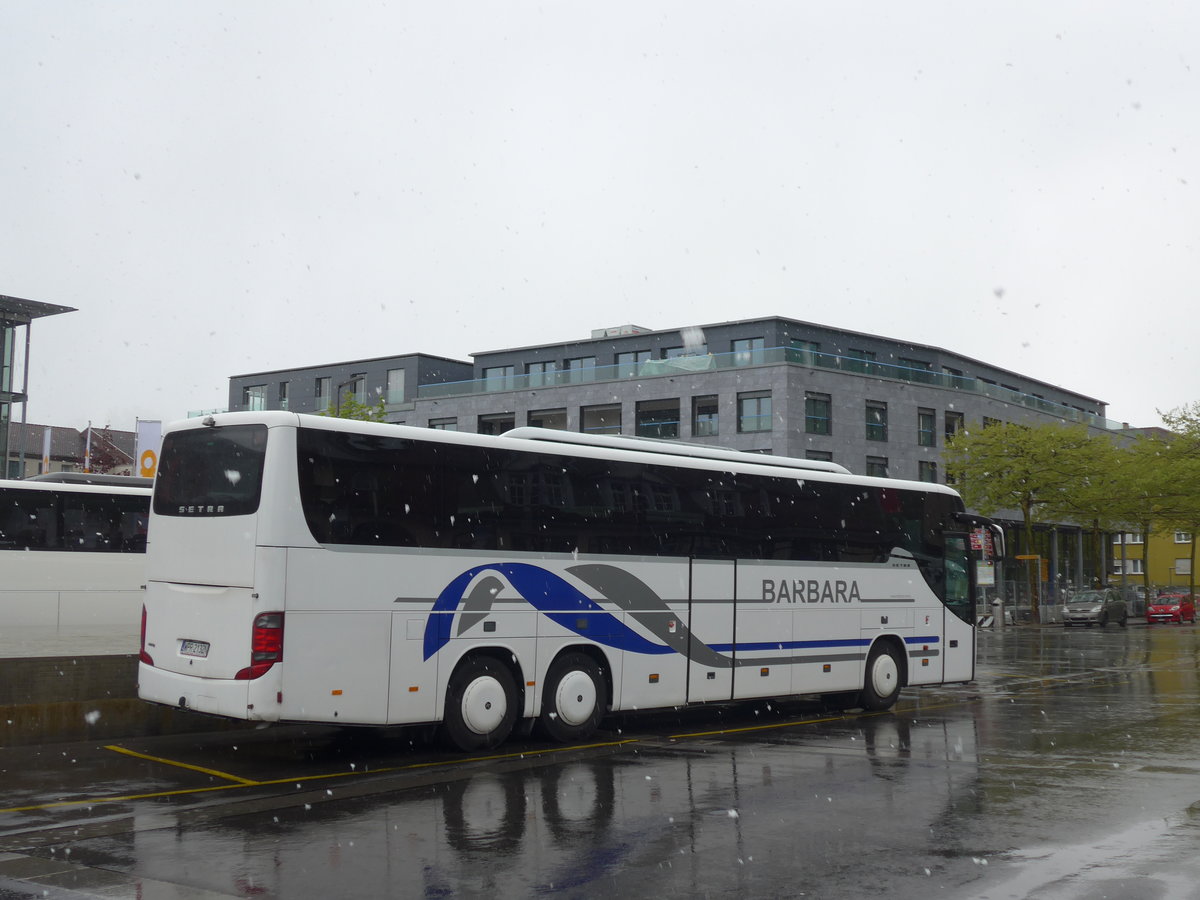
(29, 520)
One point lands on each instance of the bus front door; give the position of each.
(959, 614)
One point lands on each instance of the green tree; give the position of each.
(1038, 470)
(349, 408)
(1183, 513)
(1144, 496)
(1184, 423)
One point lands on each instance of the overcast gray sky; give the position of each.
(227, 187)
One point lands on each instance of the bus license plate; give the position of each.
(194, 648)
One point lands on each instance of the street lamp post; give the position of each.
(337, 399)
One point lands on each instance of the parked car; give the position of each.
(1095, 608)
(1171, 608)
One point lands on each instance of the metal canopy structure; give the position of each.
(16, 312)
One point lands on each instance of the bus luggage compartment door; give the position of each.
(342, 676)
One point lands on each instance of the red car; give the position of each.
(1171, 608)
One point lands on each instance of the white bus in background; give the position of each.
(72, 557)
(309, 569)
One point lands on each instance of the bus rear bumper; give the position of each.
(214, 696)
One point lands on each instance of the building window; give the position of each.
(877, 466)
(1132, 567)
(548, 418)
(877, 421)
(804, 352)
(496, 423)
(254, 396)
(704, 416)
(927, 471)
(541, 373)
(748, 351)
(1183, 537)
(283, 395)
(630, 362)
(926, 428)
(447, 424)
(676, 352)
(1131, 537)
(499, 378)
(819, 455)
(395, 386)
(358, 387)
(954, 424)
(754, 412)
(601, 419)
(818, 415)
(1183, 566)
(858, 360)
(918, 369)
(321, 392)
(989, 422)
(581, 369)
(657, 418)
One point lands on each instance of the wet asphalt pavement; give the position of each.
(1070, 769)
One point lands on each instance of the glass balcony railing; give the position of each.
(656, 368)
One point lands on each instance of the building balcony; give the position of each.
(772, 356)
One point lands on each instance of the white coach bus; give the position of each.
(72, 555)
(308, 569)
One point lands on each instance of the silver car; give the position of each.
(1095, 608)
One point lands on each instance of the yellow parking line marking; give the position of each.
(238, 783)
(791, 723)
(180, 765)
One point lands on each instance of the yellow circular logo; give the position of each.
(149, 463)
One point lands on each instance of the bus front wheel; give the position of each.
(481, 704)
(574, 700)
(882, 684)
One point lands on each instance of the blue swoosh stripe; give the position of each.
(550, 595)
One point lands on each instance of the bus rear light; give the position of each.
(143, 656)
(266, 646)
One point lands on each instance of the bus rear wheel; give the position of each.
(574, 700)
(881, 686)
(481, 704)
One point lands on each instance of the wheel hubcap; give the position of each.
(575, 698)
(884, 675)
(484, 705)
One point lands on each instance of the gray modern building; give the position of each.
(771, 385)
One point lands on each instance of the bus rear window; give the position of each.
(211, 471)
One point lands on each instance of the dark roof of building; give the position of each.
(65, 443)
(354, 362)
